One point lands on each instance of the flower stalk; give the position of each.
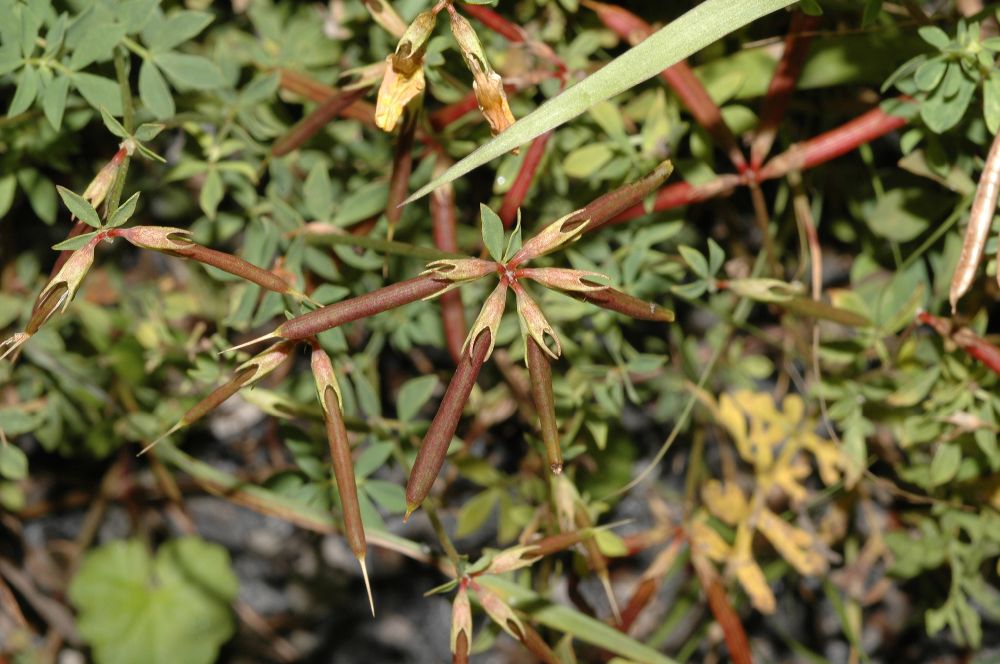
(445, 229)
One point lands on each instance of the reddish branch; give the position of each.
(515, 196)
(513, 33)
(310, 88)
(443, 215)
(977, 347)
(332, 106)
(783, 82)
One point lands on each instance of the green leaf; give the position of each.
(112, 124)
(945, 463)
(99, 92)
(567, 620)
(318, 192)
(475, 512)
(79, 206)
(586, 160)
(929, 75)
(991, 103)
(13, 462)
(171, 608)
(27, 88)
(492, 232)
(192, 71)
(148, 131)
(124, 212)
(935, 36)
(211, 194)
(178, 28)
(514, 241)
(8, 186)
(154, 92)
(695, 260)
(74, 242)
(373, 458)
(706, 23)
(54, 101)
(413, 395)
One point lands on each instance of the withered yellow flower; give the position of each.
(404, 72)
(487, 84)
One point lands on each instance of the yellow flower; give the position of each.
(397, 90)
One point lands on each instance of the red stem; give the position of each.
(308, 126)
(732, 628)
(783, 82)
(832, 144)
(445, 228)
(310, 88)
(977, 347)
(513, 33)
(518, 191)
(680, 194)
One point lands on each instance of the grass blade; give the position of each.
(706, 23)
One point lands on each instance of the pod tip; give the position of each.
(368, 586)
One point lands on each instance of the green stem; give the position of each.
(134, 46)
(128, 121)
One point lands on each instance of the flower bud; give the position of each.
(489, 318)
(552, 237)
(534, 324)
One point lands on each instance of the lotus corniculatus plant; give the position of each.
(542, 345)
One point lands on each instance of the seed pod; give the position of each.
(434, 447)
(540, 372)
(554, 236)
(489, 317)
(980, 219)
(57, 295)
(369, 304)
(614, 203)
(487, 84)
(534, 325)
(461, 269)
(99, 187)
(615, 300)
(564, 279)
(343, 471)
(500, 613)
(247, 373)
(461, 625)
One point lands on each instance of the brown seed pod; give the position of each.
(980, 219)
(434, 447)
